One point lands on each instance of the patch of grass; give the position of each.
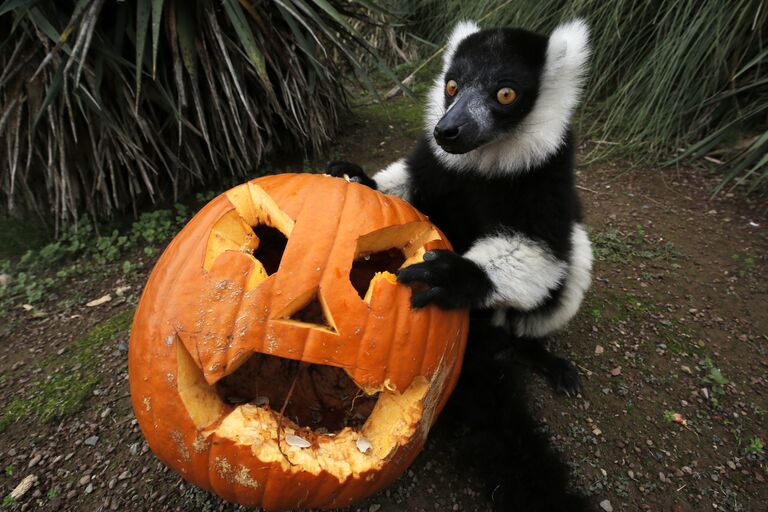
(66, 387)
(745, 263)
(614, 246)
(8, 470)
(756, 446)
(405, 114)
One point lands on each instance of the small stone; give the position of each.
(105, 413)
(98, 302)
(606, 505)
(616, 371)
(662, 477)
(715, 478)
(24, 486)
(374, 508)
(687, 470)
(91, 441)
(705, 393)
(686, 369)
(731, 465)
(599, 350)
(89, 489)
(84, 480)
(596, 431)
(33, 462)
(124, 475)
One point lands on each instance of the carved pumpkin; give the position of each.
(275, 360)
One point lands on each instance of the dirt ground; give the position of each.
(672, 344)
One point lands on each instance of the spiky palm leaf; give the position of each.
(104, 105)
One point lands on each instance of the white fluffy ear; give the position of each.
(568, 52)
(461, 31)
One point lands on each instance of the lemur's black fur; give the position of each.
(494, 171)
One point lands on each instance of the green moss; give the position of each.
(615, 247)
(404, 113)
(64, 388)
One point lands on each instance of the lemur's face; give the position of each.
(491, 85)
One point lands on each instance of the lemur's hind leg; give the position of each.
(502, 438)
(561, 373)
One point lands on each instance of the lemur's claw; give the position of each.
(453, 281)
(351, 172)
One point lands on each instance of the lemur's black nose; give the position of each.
(447, 132)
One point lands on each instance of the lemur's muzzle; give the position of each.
(458, 131)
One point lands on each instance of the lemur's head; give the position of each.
(504, 99)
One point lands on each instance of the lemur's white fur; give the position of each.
(542, 131)
(524, 272)
(576, 284)
(394, 179)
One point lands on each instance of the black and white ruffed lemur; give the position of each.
(494, 171)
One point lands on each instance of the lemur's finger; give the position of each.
(418, 272)
(421, 299)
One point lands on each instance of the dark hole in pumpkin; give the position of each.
(366, 266)
(312, 313)
(272, 244)
(324, 398)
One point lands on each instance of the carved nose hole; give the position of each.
(308, 310)
(271, 247)
(368, 265)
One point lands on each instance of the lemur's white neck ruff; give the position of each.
(542, 132)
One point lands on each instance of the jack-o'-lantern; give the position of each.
(275, 360)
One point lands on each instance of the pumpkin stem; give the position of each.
(302, 367)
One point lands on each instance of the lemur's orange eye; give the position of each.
(506, 95)
(451, 87)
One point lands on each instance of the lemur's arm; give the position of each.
(499, 271)
(393, 179)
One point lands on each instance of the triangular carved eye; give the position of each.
(381, 253)
(367, 265)
(256, 227)
(309, 310)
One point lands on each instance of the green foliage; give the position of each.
(80, 247)
(107, 105)
(669, 416)
(63, 388)
(614, 246)
(665, 75)
(8, 470)
(756, 446)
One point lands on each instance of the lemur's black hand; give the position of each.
(350, 171)
(453, 281)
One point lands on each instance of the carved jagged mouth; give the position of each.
(325, 423)
(317, 397)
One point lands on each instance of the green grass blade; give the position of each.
(247, 39)
(157, 14)
(142, 25)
